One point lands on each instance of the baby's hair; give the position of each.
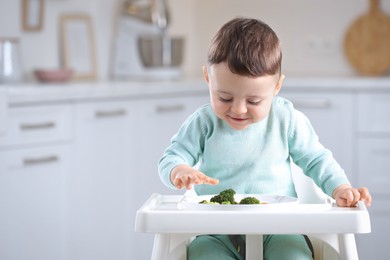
(249, 46)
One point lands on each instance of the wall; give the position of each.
(311, 31)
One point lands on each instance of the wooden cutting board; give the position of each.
(367, 42)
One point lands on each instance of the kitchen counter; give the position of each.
(28, 93)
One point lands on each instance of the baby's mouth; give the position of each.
(238, 119)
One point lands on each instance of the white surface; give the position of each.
(334, 226)
(173, 226)
(160, 214)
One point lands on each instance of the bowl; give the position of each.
(160, 50)
(53, 75)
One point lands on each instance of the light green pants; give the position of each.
(276, 247)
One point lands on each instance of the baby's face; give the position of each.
(239, 100)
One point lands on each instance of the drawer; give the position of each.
(373, 164)
(37, 124)
(373, 113)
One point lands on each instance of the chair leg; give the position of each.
(347, 245)
(254, 247)
(161, 247)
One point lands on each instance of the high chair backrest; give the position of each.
(307, 190)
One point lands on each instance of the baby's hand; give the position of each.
(186, 176)
(347, 196)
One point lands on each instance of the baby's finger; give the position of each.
(209, 180)
(177, 183)
(190, 181)
(355, 197)
(347, 198)
(365, 196)
(181, 181)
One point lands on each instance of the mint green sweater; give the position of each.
(255, 160)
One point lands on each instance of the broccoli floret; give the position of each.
(249, 200)
(224, 196)
(206, 202)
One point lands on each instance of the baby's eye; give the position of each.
(254, 102)
(226, 100)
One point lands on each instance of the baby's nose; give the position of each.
(239, 107)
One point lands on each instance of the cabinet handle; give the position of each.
(110, 113)
(40, 160)
(315, 103)
(44, 125)
(170, 108)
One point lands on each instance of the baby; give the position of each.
(247, 137)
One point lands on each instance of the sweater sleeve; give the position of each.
(186, 148)
(315, 160)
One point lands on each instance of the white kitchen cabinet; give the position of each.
(158, 119)
(32, 201)
(331, 117)
(373, 164)
(100, 185)
(35, 158)
(373, 157)
(373, 111)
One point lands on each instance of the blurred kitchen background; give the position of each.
(311, 32)
(88, 103)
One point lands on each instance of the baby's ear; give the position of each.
(279, 85)
(205, 74)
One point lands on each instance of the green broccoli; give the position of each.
(206, 202)
(227, 197)
(249, 200)
(224, 196)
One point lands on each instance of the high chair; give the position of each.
(330, 228)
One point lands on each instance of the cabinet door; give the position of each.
(331, 117)
(99, 214)
(375, 245)
(157, 121)
(373, 111)
(373, 156)
(32, 202)
(373, 165)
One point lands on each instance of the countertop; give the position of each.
(34, 93)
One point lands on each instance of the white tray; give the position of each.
(266, 200)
